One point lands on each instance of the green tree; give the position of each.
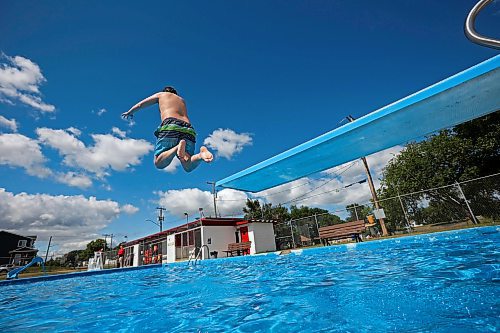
(323, 217)
(467, 151)
(254, 210)
(357, 212)
(94, 246)
(73, 257)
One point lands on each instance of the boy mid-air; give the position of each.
(175, 135)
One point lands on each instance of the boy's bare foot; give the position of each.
(206, 155)
(181, 150)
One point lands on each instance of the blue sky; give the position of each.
(258, 77)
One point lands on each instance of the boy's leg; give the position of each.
(164, 159)
(189, 163)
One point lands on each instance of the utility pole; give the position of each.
(214, 193)
(105, 241)
(356, 212)
(111, 242)
(48, 247)
(372, 187)
(161, 217)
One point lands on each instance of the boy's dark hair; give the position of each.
(170, 90)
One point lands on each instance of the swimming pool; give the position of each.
(443, 282)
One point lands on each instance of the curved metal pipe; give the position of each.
(471, 32)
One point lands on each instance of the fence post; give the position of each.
(317, 227)
(404, 211)
(473, 217)
(291, 230)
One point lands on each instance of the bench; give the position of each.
(342, 230)
(243, 247)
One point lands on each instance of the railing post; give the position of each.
(404, 211)
(317, 225)
(473, 217)
(291, 230)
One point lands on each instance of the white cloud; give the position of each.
(119, 132)
(74, 179)
(75, 217)
(108, 152)
(230, 202)
(9, 123)
(177, 202)
(17, 150)
(61, 140)
(7, 101)
(75, 131)
(107, 187)
(129, 209)
(100, 112)
(227, 142)
(20, 79)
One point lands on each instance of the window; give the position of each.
(191, 237)
(22, 243)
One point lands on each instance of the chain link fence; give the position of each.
(458, 205)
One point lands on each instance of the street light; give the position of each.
(155, 223)
(187, 217)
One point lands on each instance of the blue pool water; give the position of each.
(444, 282)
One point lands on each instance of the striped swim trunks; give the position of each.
(171, 131)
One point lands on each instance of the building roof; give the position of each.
(8, 232)
(24, 249)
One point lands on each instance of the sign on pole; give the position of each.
(379, 213)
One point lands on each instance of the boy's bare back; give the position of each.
(171, 105)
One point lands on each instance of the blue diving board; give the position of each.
(470, 94)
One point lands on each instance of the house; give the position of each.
(213, 234)
(16, 249)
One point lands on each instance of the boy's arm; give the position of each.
(153, 99)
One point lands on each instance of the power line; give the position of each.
(336, 172)
(321, 185)
(318, 194)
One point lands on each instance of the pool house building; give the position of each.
(212, 235)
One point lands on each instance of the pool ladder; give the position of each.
(470, 30)
(197, 257)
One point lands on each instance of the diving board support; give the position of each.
(470, 94)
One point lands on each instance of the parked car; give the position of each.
(4, 269)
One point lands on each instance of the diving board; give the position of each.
(470, 94)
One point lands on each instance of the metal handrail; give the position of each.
(198, 255)
(471, 32)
